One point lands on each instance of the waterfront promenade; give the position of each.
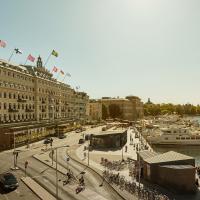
(96, 155)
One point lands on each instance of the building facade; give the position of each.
(30, 95)
(95, 110)
(108, 139)
(129, 108)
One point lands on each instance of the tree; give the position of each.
(114, 111)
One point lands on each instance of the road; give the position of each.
(45, 175)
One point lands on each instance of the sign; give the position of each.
(26, 164)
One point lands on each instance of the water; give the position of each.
(193, 151)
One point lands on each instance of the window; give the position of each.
(5, 95)
(5, 106)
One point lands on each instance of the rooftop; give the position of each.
(179, 166)
(167, 157)
(109, 132)
(147, 154)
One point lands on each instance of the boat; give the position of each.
(175, 136)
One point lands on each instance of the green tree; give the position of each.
(114, 111)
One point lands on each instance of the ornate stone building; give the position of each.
(30, 95)
(129, 108)
(95, 110)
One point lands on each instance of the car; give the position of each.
(62, 136)
(104, 129)
(8, 181)
(78, 130)
(48, 140)
(81, 141)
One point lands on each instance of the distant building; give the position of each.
(95, 110)
(129, 108)
(32, 102)
(149, 101)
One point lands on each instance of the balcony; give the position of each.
(21, 100)
(12, 110)
(29, 110)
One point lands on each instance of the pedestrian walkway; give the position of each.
(37, 189)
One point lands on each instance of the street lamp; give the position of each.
(122, 154)
(15, 153)
(57, 168)
(88, 154)
(139, 160)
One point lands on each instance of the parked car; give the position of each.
(104, 129)
(8, 181)
(81, 141)
(78, 130)
(62, 136)
(48, 140)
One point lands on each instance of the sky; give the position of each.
(146, 48)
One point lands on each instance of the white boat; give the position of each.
(175, 136)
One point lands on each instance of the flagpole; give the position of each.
(26, 60)
(11, 55)
(64, 78)
(47, 59)
(58, 75)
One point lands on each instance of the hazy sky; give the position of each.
(147, 48)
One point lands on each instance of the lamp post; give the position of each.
(139, 159)
(15, 153)
(88, 154)
(57, 168)
(122, 154)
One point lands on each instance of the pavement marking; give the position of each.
(45, 180)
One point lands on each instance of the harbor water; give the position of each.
(193, 151)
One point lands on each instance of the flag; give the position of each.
(18, 51)
(68, 74)
(2, 43)
(54, 53)
(55, 69)
(31, 58)
(62, 72)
